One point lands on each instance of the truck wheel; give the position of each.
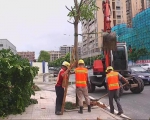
(91, 88)
(121, 89)
(140, 87)
(142, 84)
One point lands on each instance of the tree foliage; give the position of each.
(80, 11)
(44, 56)
(59, 61)
(88, 61)
(16, 81)
(137, 53)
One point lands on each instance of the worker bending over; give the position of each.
(112, 80)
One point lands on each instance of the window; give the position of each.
(1, 45)
(119, 58)
(118, 16)
(117, 7)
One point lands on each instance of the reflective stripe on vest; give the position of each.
(80, 71)
(112, 85)
(80, 82)
(113, 80)
(81, 77)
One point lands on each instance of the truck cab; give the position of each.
(119, 61)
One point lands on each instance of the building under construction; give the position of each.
(138, 36)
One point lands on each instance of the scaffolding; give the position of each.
(139, 35)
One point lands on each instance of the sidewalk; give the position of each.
(45, 109)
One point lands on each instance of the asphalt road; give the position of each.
(136, 106)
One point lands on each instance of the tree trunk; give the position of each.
(76, 40)
(65, 93)
(76, 49)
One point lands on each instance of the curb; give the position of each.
(115, 111)
(95, 107)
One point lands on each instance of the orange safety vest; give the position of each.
(81, 76)
(113, 80)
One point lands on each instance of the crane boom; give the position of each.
(107, 26)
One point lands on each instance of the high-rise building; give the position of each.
(92, 43)
(29, 55)
(54, 55)
(147, 3)
(133, 7)
(6, 44)
(68, 49)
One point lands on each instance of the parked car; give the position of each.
(88, 67)
(145, 66)
(54, 71)
(140, 72)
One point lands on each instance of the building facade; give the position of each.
(137, 37)
(133, 7)
(6, 44)
(29, 55)
(92, 43)
(147, 3)
(54, 55)
(68, 49)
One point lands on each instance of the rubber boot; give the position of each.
(81, 110)
(89, 108)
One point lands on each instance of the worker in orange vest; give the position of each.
(81, 77)
(59, 87)
(112, 80)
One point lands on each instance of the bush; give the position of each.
(16, 81)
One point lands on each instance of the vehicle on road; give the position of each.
(146, 66)
(54, 71)
(88, 67)
(140, 72)
(119, 61)
(115, 55)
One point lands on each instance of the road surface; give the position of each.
(136, 106)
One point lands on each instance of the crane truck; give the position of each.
(115, 55)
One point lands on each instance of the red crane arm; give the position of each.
(107, 11)
(107, 26)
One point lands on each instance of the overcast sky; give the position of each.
(34, 25)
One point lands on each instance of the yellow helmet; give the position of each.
(65, 63)
(80, 62)
(109, 68)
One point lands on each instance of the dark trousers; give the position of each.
(59, 98)
(114, 94)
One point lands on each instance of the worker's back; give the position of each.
(81, 76)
